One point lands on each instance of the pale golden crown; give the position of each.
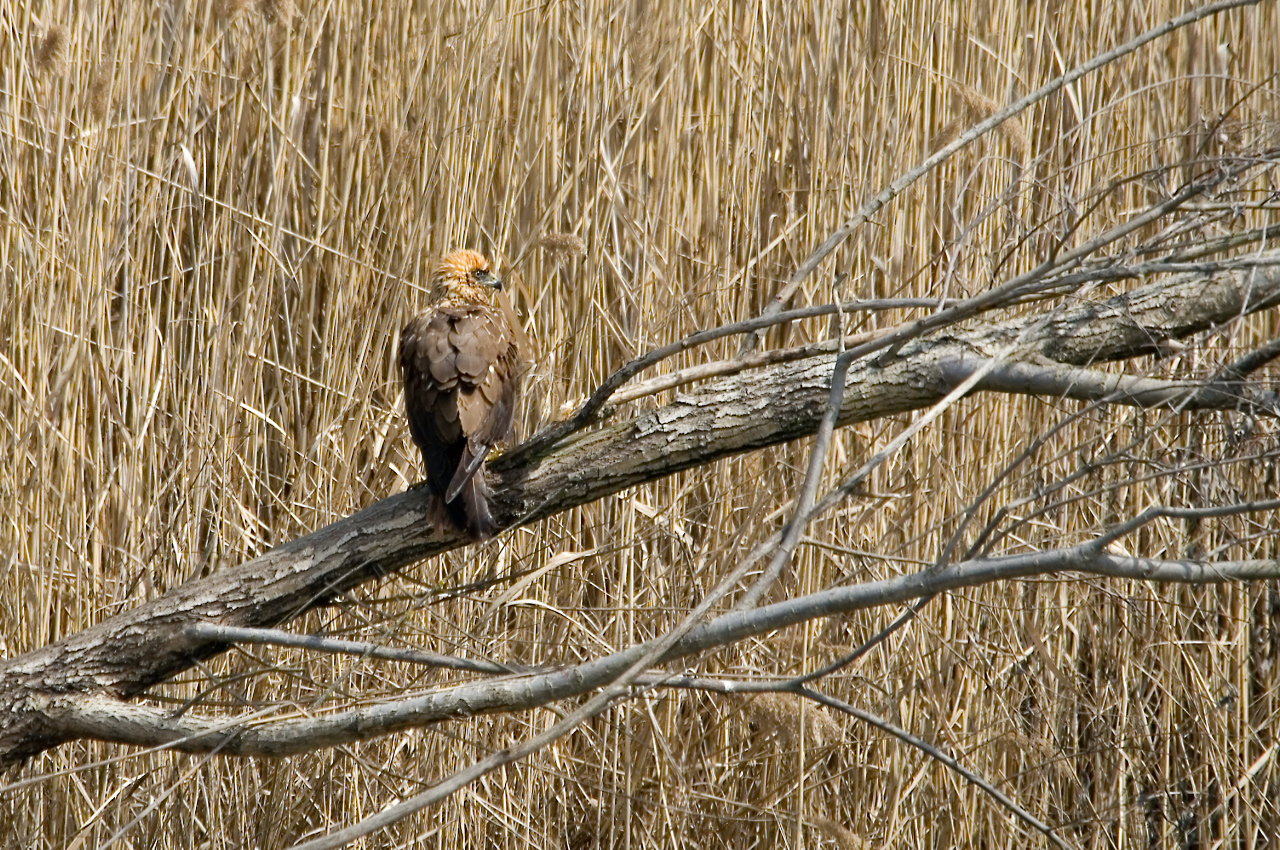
(464, 276)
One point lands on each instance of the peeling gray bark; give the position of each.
(128, 653)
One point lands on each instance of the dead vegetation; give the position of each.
(218, 216)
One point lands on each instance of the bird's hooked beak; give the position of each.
(488, 278)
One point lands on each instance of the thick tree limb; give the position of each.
(126, 654)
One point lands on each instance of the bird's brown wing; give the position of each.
(461, 383)
(487, 382)
(430, 381)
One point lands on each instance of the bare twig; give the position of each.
(808, 490)
(278, 637)
(1251, 362)
(720, 368)
(938, 755)
(587, 411)
(871, 643)
(796, 687)
(1092, 385)
(804, 510)
(873, 205)
(1155, 512)
(1117, 270)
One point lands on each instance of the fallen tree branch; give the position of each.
(109, 719)
(126, 654)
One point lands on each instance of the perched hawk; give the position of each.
(461, 365)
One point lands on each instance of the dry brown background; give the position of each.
(216, 217)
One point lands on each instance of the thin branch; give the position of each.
(939, 755)
(871, 643)
(875, 203)
(315, 643)
(1129, 271)
(589, 409)
(795, 686)
(808, 489)
(804, 511)
(1196, 247)
(992, 535)
(721, 368)
(1252, 362)
(1092, 385)
(1155, 512)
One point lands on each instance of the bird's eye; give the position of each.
(478, 274)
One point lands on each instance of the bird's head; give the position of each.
(464, 277)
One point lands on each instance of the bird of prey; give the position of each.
(462, 367)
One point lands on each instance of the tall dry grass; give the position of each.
(216, 217)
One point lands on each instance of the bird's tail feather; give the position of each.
(467, 496)
(475, 496)
(468, 467)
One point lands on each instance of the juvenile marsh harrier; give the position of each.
(462, 368)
